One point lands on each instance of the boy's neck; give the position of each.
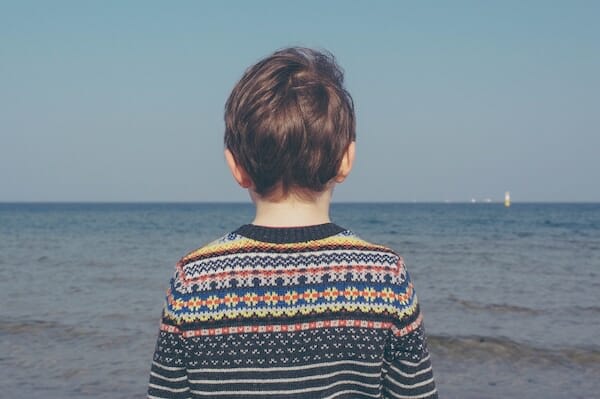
(292, 211)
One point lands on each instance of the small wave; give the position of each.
(26, 326)
(114, 342)
(487, 348)
(501, 308)
(582, 228)
(96, 264)
(116, 316)
(113, 279)
(586, 309)
(524, 234)
(58, 330)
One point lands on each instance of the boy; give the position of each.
(291, 305)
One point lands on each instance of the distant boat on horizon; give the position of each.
(507, 199)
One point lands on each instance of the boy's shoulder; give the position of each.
(230, 242)
(346, 245)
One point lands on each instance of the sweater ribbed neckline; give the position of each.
(286, 235)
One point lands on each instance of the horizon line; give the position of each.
(447, 202)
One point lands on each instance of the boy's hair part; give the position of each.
(289, 121)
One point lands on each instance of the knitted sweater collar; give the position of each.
(283, 235)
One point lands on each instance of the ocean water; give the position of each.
(510, 296)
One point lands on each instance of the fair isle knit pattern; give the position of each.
(295, 313)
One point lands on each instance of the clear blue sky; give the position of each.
(123, 100)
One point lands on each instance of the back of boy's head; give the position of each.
(289, 121)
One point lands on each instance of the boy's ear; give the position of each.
(239, 174)
(347, 162)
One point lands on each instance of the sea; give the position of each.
(510, 296)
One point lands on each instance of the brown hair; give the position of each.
(289, 120)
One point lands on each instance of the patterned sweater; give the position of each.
(298, 312)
